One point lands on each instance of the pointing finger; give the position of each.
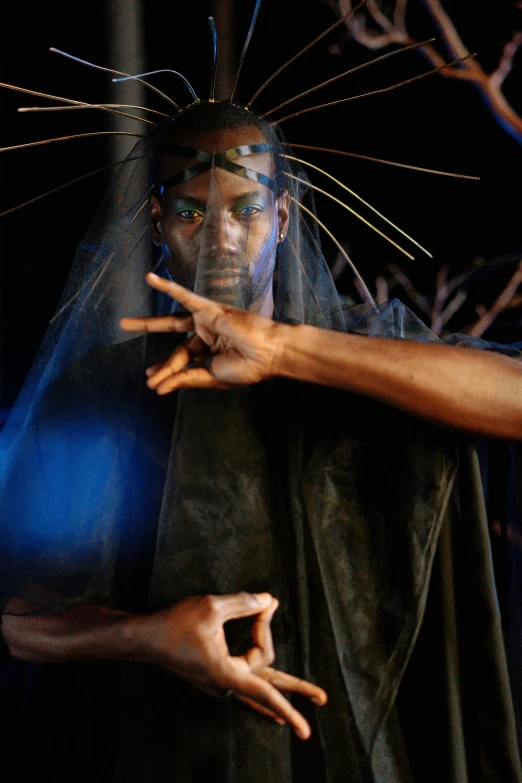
(161, 323)
(188, 299)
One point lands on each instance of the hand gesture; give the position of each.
(189, 640)
(243, 347)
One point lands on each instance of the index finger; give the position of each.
(262, 653)
(158, 323)
(188, 299)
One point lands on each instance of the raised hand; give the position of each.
(189, 640)
(242, 347)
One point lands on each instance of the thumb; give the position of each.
(242, 604)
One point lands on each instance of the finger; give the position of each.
(243, 604)
(174, 364)
(195, 378)
(191, 350)
(259, 690)
(188, 299)
(287, 682)
(259, 708)
(160, 323)
(262, 653)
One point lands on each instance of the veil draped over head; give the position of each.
(107, 283)
(332, 502)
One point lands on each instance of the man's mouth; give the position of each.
(223, 278)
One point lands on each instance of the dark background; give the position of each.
(437, 123)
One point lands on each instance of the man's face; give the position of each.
(221, 230)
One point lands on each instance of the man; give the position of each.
(331, 502)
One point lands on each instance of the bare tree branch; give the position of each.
(445, 305)
(382, 289)
(420, 301)
(399, 15)
(393, 31)
(500, 304)
(441, 294)
(453, 307)
(505, 65)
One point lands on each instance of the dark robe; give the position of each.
(368, 525)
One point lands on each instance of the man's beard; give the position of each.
(228, 280)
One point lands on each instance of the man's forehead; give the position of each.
(233, 148)
(217, 141)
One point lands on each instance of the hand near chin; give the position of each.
(241, 347)
(188, 639)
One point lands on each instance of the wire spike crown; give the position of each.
(245, 47)
(111, 70)
(347, 73)
(59, 98)
(355, 195)
(213, 30)
(66, 185)
(137, 77)
(285, 65)
(68, 138)
(353, 212)
(375, 92)
(340, 248)
(25, 109)
(380, 160)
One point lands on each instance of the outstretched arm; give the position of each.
(187, 639)
(472, 391)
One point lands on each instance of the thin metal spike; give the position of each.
(102, 271)
(366, 204)
(341, 249)
(381, 160)
(23, 109)
(138, 76)
(111, 70)
(215, 59)
(67, 138)
(245, 47)
(347, 73)
(306, 48)
(58, 98)
(65, 185)
(360, 217)
(375, 92)
(138, 212)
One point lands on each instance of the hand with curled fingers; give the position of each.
(188, 639)
(241, 347)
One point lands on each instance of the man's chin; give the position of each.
(228, 286)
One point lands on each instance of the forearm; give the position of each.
(83, 633)
(470, 390)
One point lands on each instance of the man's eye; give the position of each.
(188, 214)
(249, 210)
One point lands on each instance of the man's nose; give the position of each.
(221, 236)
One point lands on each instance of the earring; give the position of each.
(281, 236)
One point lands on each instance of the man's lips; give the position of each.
(223, 277)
